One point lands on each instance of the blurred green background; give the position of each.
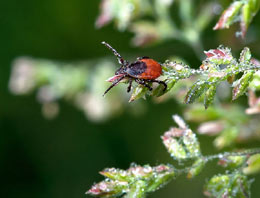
(61, 157)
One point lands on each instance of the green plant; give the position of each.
(182, 144)
(153, 22)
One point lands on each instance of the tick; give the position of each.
(143, 71)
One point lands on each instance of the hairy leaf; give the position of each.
(245, 55)
(239, 10)
(228, 16)
(196, 168)
(220, 55)
(232, 162)
(209, 95)
(138, 92)
(181, 142)
(241, 85)
(195, 91)
(228, 185)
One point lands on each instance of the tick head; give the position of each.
(121, 70)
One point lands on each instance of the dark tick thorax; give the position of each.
(136, 68)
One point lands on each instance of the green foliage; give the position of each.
(181, 142)
(219, 66)
(78, 83)
(232, 185)
(253, 164)
(153, 22)
(232, 162)
(240, 10)
(196, 167)
(134, 182)
(183, 146)
(228, 122)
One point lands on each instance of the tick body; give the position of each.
(143, 71)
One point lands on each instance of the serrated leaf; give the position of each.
(196, 168)
(245, 55)
(241, 85)
(228, 16)
(116, 174)
(138, 92)
(219, 56)
(181, 142)
(162, 174)
(228, 185)
(240, 10)
(209, 95)
(232, 162)
(191, 144)
(108, 189)
(176, 149)
(195, 92)
(137, 190)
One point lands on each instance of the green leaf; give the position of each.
(229, 15)
(232, 162)
(138, 92)
(234, 185)
(195, 92)
(162, 175)
(108, 188)
(173, 146)
(115, 174)
(209, 95)
(241, 85)
(181, 142)
(191, 144)
(137, 190)
(239, 10)
(196, 168)
(245, 56)
(221, 55)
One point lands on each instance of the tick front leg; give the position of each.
(130, 85)
(142, 82)
(114, 84)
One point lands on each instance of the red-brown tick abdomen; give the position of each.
(153, 70)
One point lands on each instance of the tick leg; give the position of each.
(130, 85)
(160, 82)
(119, 57)
(142, 82)
(114, 83)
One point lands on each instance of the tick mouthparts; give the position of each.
(115, 77)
